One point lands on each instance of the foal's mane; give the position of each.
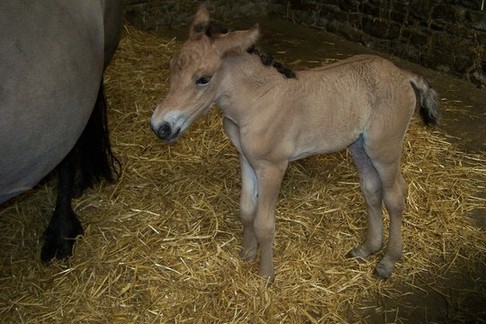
(215, 29)
(267, 59)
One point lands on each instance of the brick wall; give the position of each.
(150, 14)
(446, 35)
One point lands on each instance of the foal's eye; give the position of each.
(203, 80)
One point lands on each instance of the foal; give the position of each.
(364, 103)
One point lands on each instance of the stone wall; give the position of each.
(446, 35)
(151, 14)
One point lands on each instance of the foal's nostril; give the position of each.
(164, 131)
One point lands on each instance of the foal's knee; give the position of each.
(371, 188)
(247, 213)
(395, 201)
(264, 231)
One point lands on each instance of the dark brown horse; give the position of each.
(52, 106)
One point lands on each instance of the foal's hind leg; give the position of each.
(394, 193)
(394, 190)
(372, 192)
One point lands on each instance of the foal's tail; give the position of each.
(429, 107)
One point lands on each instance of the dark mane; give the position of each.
(215, 29)
(270, 61)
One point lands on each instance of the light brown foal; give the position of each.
(364, 103)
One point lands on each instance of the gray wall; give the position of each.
(445, 35)
(150, 14)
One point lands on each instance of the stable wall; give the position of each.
(444, 35)
(150, 14)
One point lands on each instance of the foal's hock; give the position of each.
(273, 117)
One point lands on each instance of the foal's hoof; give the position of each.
(270, 277)
(383, 270)
(354, 254)
(248, 254)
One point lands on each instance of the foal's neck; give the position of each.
(249, 70)
(245, 80)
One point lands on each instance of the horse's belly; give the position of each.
(310, 150)
(52, 64)
(325, 139)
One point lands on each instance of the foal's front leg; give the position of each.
(248, 205)
(249, 194)
(269, 177)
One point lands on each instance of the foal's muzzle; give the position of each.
(165, 132)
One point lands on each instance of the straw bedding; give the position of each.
(161, 244)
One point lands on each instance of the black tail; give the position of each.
(429, 107)
(95, 158)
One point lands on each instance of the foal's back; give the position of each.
(336, 103)
(369, 73)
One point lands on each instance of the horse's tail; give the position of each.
(95, 157)
(429, 107)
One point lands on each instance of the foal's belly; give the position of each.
(323, 143)
(300, 154)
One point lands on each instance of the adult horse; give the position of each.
(52, 107)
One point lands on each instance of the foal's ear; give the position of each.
(238, 41)
(200, 23)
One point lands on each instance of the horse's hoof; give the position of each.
(383, 271)
(59, 241)
(270, 277)
(357, 253)
(59, 249)
(248, 254)
(269, 281)
(351, 254)
(362, 252)
(359, 259)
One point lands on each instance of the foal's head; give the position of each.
(195, 75)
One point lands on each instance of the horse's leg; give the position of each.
(248, 204)
(394, 193)
(269, 178)
(372, 192)
(387, 164)
(64, 226)
(89, 161)
(249, 195)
